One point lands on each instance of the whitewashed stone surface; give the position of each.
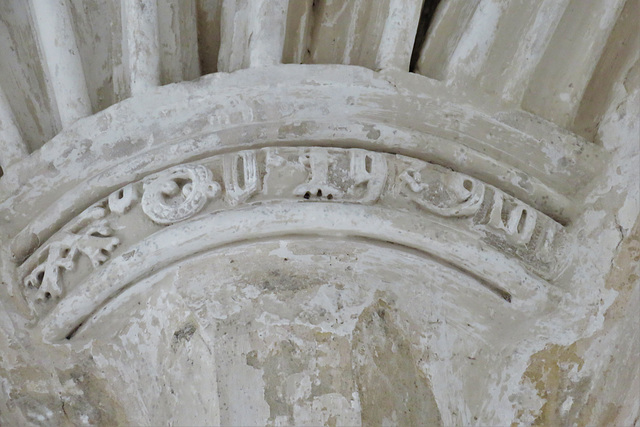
(234, 212)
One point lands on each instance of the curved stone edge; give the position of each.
(284, 174)
(392, 141)
(207, 232)
(170, 115)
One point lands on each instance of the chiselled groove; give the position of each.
(21, 75)
(561, 77)
(208, 15)
(426, 16)
(510, 49)
(432, 200)
(398, 35)
(518, 65)
(61, 60)
(210, 231)
(446, 28)
(499, 291)
(300, 19)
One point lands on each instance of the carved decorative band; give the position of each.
(298, 173)
(178, 194)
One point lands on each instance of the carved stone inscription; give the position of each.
(90, 236)
(443, 193)
(178, 194)
(318, 161)
(515, 219)
(308, 175)
(240, 182)
(342, 175)
(368, 169)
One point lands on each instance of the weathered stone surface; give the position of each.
(392, 388)
(449, 236)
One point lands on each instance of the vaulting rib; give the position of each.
(178, 40)
(140, 48)
(21, 75)
(558, 84)
(12, 144)
(613, 72)
(208, 22)
(268, 26)
(508, 66)
(474, 43)
(98, 33)
(252, 33)
(234, 35)
(474, 46)
(447, 27)
(375, 35)
(483, 53)
(300, 18)
(61, 60)
(332, 37)
(398, 36)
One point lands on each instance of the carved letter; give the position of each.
(545, 246)
(46, 276)
(94, 241)
(318, 160)
(514, 219)
(240, 184)
(121, 200)
(178, 193)
(370, 168)
(444, 193)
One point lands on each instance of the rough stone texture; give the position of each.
(297, 240)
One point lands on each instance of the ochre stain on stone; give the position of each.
(551, 369)
(392, 389)
(549, 372)
(95, 404)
